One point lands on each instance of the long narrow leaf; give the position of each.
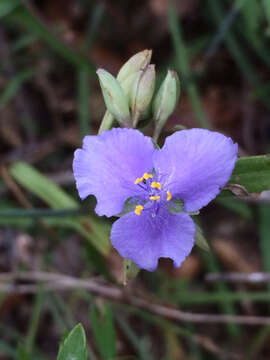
(57, 198)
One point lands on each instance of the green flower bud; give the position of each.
(165, 100)
(142, 92)
(114, 97)
(127, 84)
(134, 64)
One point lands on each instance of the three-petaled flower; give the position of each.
(123, 164)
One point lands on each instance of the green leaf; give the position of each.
(104, 332)
(253, 173)
(41, 186)
(200, 240)
(22, 354)
(7, 6)
(96, 232)
(74, 345)
(130, 271)
(252, 18)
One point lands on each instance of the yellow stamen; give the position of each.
(147, 176)
(138, 180)
(154, 197)
(138, 209)
(169, 195)
(156, 185)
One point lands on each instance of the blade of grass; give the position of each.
(7, 6)
(104, 332)
(83, 91)
(266, 4)
(264, 230)
(30, 178)
(83, 85)
(252, 17)
(159, 321)
(250, 29)
(238, 54)
(22, 17)
(22, 42)
(206, 298)
(34, 322)
(184, 67)
(94, 21)
(39, 213)
(224, 27)
(13, 86)
(140, 346)
(258, 343)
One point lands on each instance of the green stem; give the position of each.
(106, 123)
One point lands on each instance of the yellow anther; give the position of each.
(154, 197)
(138, 180)
(169, 195)
(138, 209)
(147, 176)
(156, 185)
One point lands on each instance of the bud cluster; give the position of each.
(130, 98)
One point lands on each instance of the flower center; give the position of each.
(155, 196)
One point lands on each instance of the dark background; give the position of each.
(49, 99)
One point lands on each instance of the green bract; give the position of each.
(166, 100)
(134, 64)
(142, 92)
(114, 97)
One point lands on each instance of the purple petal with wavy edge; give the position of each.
(196, 164)
(108, 165)
(144, 239)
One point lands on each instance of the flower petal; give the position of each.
(144, 239)
(196, 164)
(108, 165)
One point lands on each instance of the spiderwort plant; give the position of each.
(122, 166)
(152, 191)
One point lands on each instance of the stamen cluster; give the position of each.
(155, 194)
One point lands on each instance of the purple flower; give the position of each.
(122, 164)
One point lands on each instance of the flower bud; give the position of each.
(142, 92)
(165, 100)
(127, 84)
(114, 97)
(134, 64)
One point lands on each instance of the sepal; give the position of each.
(114, 97)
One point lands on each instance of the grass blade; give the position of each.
(38, 184)
(22, 17)
(184, 67)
